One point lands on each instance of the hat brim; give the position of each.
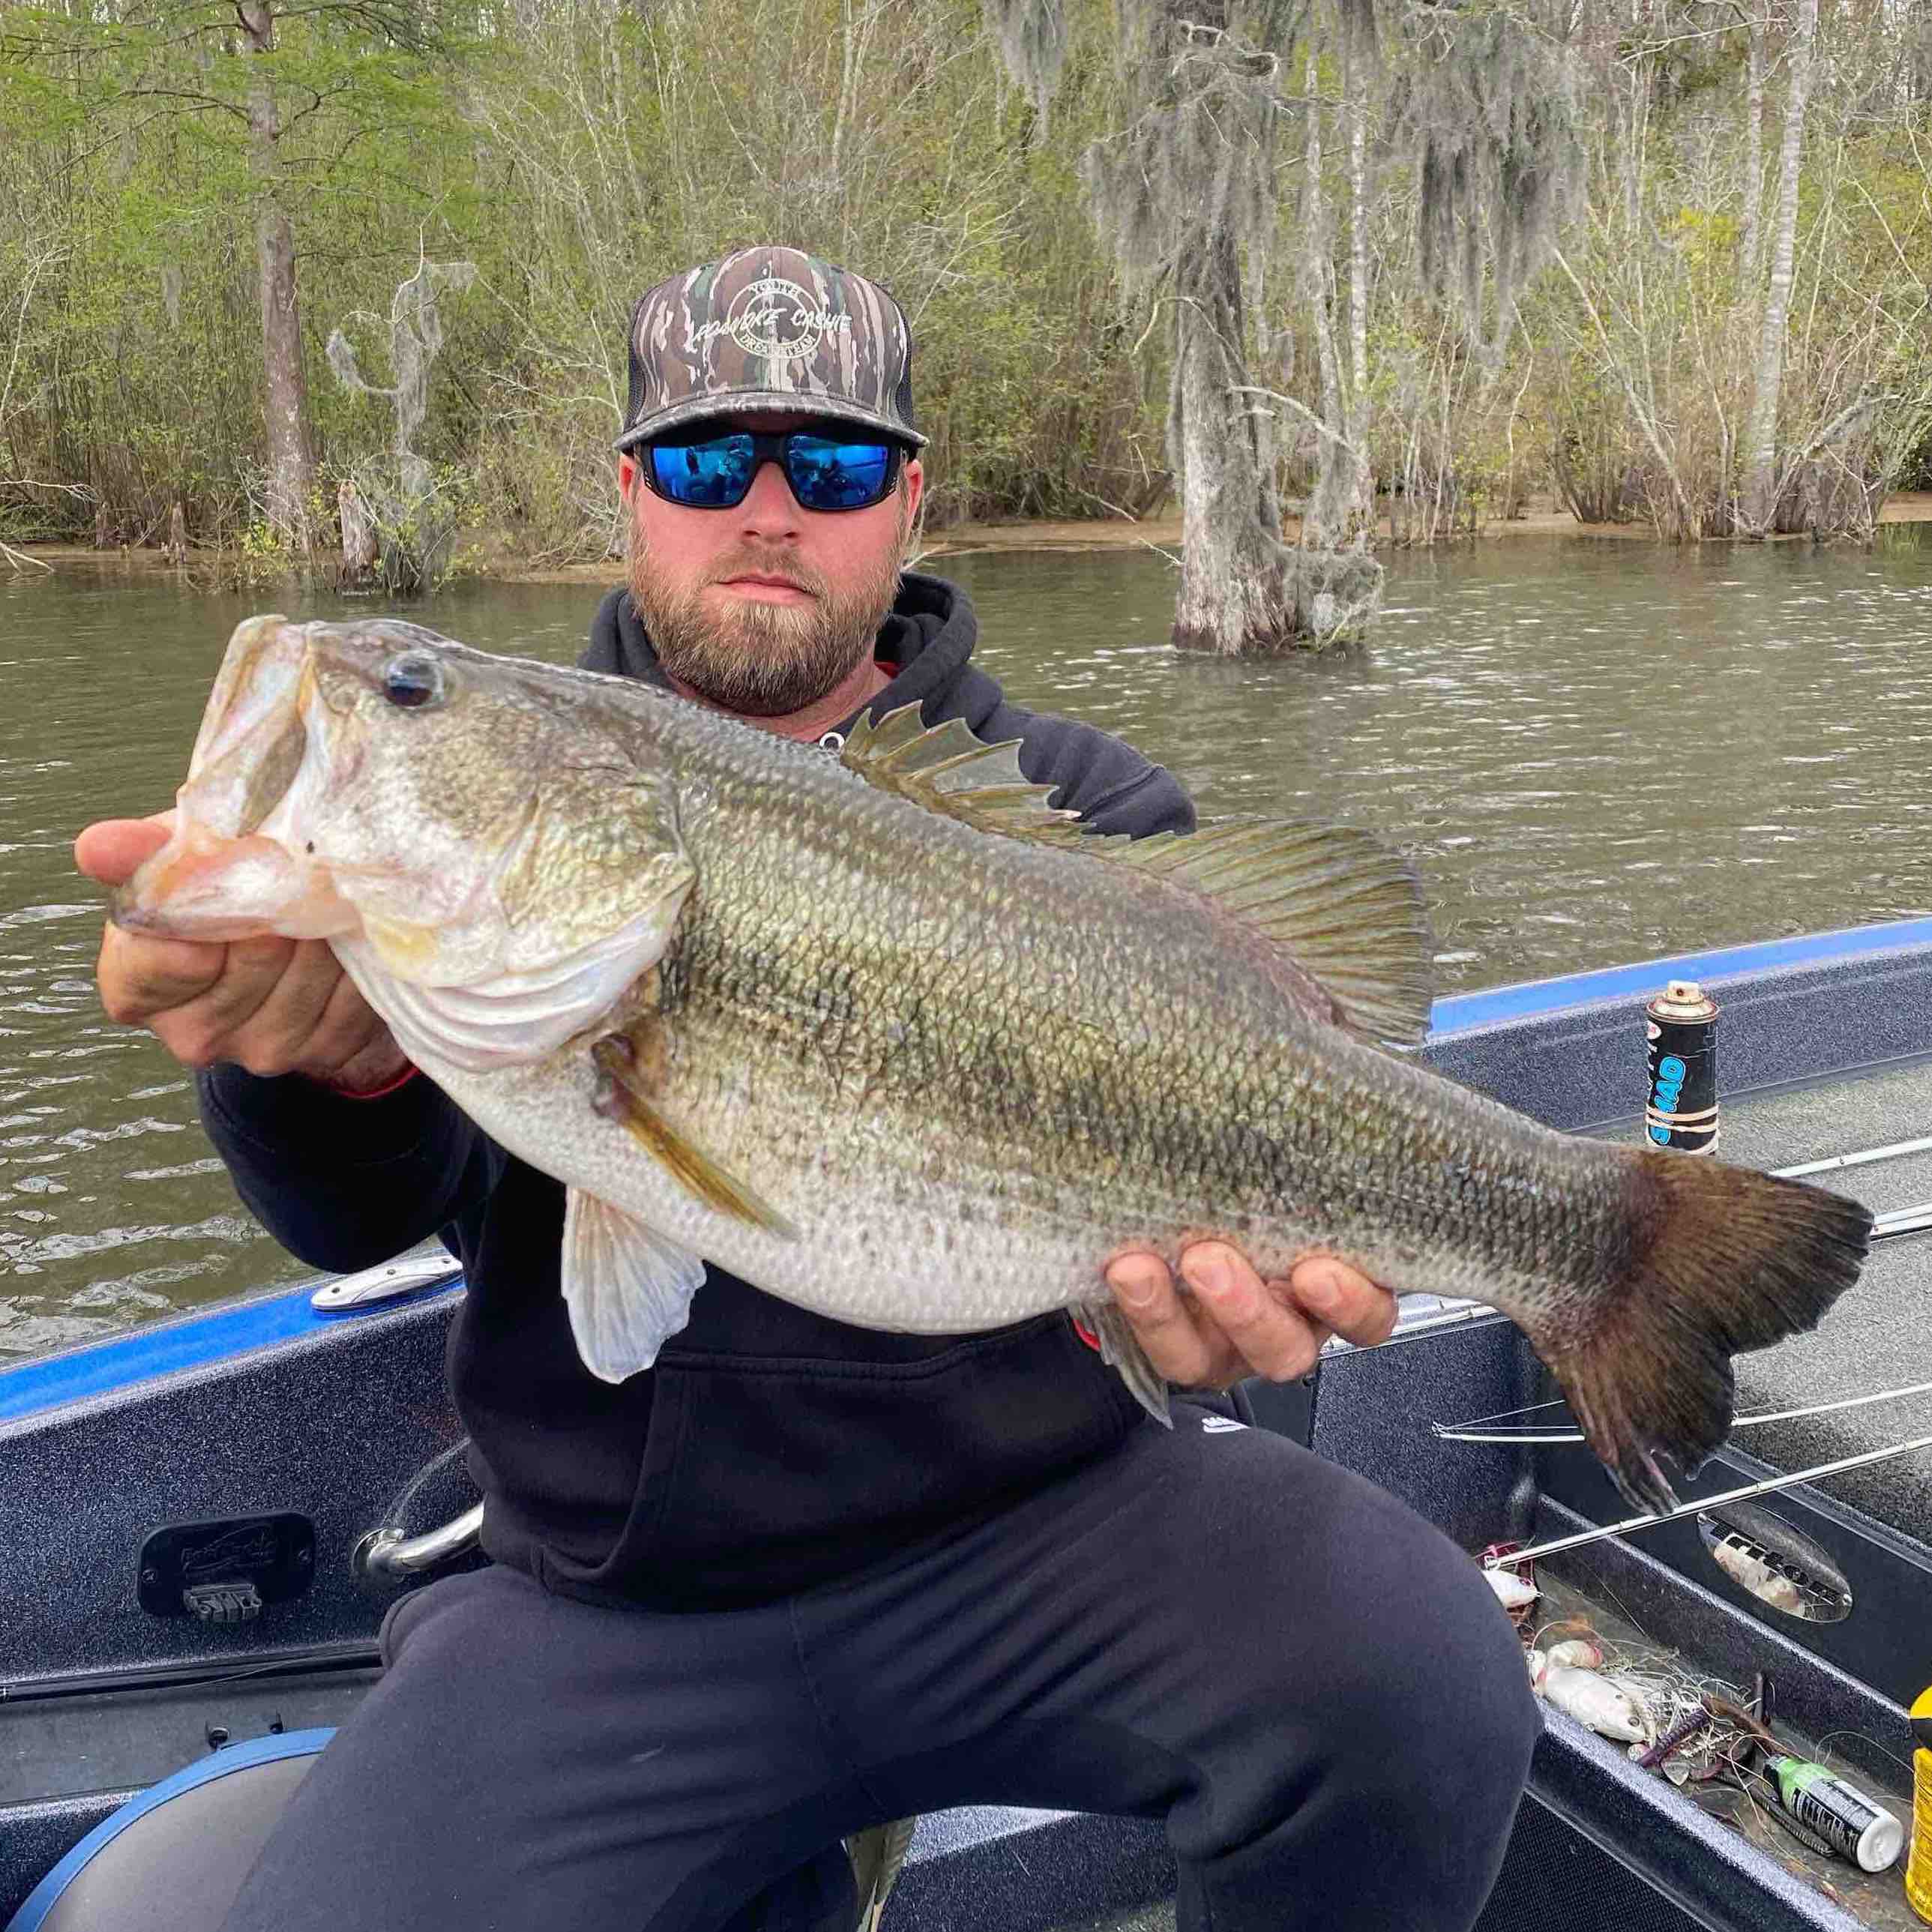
(778, 402)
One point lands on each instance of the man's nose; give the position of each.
(770, 509)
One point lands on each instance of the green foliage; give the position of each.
(1648, 350)
(576, 151)
(132, 143)
(420, 523)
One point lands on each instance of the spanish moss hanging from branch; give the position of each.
(1031, 37)
(1491, 110)
(1186, 195)
(393, 523)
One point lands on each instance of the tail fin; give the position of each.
(1722, 1259)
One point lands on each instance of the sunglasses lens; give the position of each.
(826, 474)
(712, 475)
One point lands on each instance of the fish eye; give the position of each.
(412, 681)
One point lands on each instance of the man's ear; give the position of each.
(913, 488)
(627, 474)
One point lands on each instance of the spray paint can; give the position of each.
(1853, 1824)
(1919, 1866)
(1680, 1025)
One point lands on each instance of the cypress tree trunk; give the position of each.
(1759, 511)
(291, 459)
(1187, 194)
(1244, 592)
(1233, 562)
(1325, 523)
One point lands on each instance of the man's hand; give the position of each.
(274, 1005)
(1235, 1324)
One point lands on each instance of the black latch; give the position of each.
(225, 1571)
(233, 1602)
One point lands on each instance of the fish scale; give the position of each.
(890, 1038)
(1037, 1115)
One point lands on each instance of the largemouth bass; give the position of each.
(889, 1037)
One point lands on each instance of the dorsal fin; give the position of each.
(1347, 910)
(947, 769)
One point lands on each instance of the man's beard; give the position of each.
(761, 660)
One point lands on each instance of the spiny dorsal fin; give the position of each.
(1348, 910)
(947, 769)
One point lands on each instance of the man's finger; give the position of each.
(292, 989)
(110, 850)
(204, 1029)
(1358, 1310)
(1160, 1319)
(347, 1037)
(140, 977)
(1272, 1335)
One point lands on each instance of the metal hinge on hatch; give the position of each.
(372, 1288)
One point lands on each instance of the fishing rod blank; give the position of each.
(1769, 1487)
(1862, 1158)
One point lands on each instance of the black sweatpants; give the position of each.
(1314, 1689)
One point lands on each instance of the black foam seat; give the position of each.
(173, 1859)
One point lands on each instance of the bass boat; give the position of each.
(203, 1521)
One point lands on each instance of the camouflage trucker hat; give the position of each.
(769, 328)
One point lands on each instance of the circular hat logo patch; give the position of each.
(775, 318)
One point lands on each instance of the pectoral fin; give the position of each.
(628, 1288)
(623, 1094)
(1120, 1348)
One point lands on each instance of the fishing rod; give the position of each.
(1473, 1431)
(1769, 1487)
(1891, 1151)
(1903, 1221)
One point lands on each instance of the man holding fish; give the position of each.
(774, 1569)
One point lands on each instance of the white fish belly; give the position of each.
(938, 1260)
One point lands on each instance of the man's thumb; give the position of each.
(110, 850)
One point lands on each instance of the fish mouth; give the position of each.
(253, 735)
(229, 870)
(200, 886)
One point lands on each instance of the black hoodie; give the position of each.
(770, 1449)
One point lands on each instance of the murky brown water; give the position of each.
(1594, 751)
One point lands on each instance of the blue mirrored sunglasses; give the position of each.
(825, 473)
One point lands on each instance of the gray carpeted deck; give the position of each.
(1880, 1335)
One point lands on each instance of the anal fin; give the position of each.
(1121, 1349)
(628, 1289)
